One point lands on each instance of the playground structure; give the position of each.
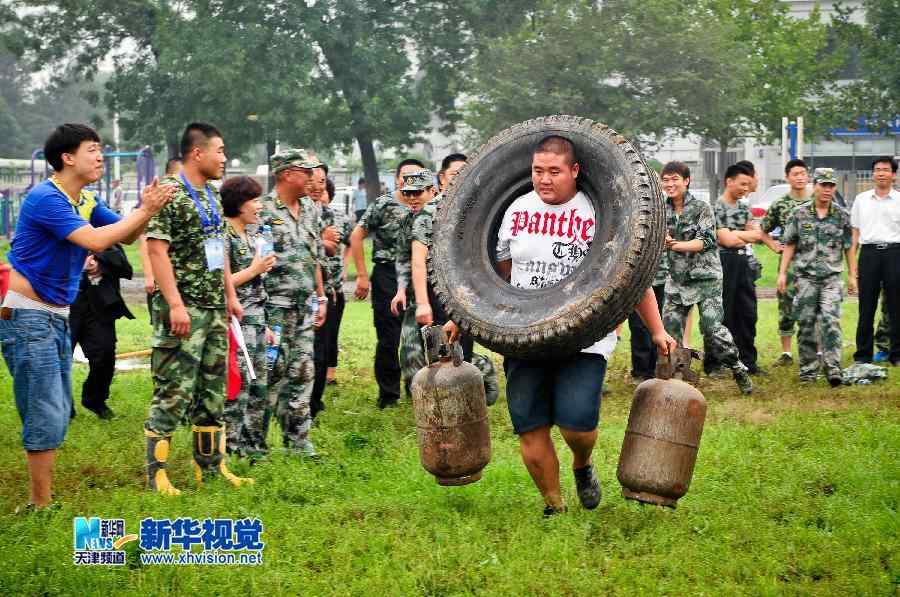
(17, 177)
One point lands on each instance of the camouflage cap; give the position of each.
(293, 158)
(417, 181)
(824, 176)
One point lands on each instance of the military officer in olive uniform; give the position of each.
(818, 236)
(293, 286)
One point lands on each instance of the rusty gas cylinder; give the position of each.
(451, 413)
(662, 439)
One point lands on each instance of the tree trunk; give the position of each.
(370, 166)
(721, 165)
(270, 151)
(173, 147)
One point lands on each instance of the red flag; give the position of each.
(233, 378)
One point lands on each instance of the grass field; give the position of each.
(796, 491)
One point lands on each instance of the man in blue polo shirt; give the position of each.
(59, 222)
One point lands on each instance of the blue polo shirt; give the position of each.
(40, 251)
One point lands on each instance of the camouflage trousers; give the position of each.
(489, 376)
(883, 333)
(819, 301)
(292, 377)
(188, 374)
(245, 416)
(412, 357)
(786, 319)
(412, 352)
(715, 335)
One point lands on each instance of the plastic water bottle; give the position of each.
(272, 349)
(265, 242)
(314, 305)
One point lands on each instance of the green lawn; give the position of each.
(796, 491)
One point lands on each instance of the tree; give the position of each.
(722, 70)
(874, 48)
(559, 61)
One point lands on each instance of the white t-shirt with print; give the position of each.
(546, 243)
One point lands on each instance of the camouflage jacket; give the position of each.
(178, 223)
(778, 213)
(820, 243)
(252, 294)
(692, 277)
(382, 221)
(298, 248)
(418, 226)
(333, 267)
(736, 218)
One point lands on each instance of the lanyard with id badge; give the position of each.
(213, 245)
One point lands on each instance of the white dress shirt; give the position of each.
(877, 218)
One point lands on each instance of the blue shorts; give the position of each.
(38, 352)
(564, 393)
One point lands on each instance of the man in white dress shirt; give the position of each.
(875, 218)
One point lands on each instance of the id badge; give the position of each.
(215, 253)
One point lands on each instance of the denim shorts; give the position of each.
(555, 392)
(38, 352)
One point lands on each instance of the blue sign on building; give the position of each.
(863, 130)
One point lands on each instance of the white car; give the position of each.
(760, 202)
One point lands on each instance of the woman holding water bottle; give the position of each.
(251, 256)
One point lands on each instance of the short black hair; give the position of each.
(558, 145)
(67, 138)
(361, 181)
(171, 162)
(796, 162)
(197, 133)
(735, 170)
(324, 167)
(408, 162)
(886, 160)
(236, 191)
(453, 157)
(748, 166)
(676, 167)
(329, 188)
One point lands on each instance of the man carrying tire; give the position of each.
(558, 391)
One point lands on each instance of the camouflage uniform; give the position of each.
(326, 336)
(883, 333)
(188, 374)
(421, 230)
(740, 270)
(412, 355)
(818, 263)
(382, 222)
(696, 279)
(289, 285)
(776, 219)
(246, 414)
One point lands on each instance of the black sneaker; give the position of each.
(588, 486)
(389, 403)
(835, 381)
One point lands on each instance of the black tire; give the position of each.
(599, 294)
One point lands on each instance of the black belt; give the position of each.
(740, 251)
(881, 246)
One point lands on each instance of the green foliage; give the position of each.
(795, 492)
(874, 48)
